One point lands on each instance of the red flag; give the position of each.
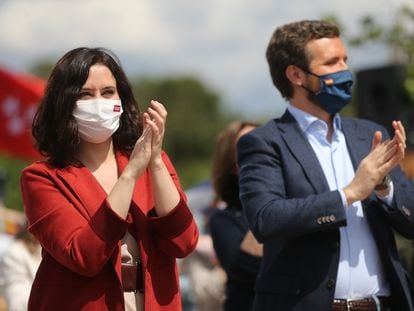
(20, 95)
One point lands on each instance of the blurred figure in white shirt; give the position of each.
(18, 267)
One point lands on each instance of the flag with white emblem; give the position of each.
(20, 95)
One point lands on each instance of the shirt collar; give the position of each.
(305, 120)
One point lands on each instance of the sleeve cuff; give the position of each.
(343, 198)
(108, 225)
(175, 222)
(389, 197)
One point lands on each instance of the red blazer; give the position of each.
(80, 235)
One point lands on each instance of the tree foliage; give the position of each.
(10, 186)
(194, 119)
(398, 36)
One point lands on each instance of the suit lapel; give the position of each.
(303, 152)
(357, 142)
(81, 183)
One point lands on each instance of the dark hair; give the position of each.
(54, 127)
(224, 176)
(287, 47)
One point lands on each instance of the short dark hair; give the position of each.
(224, 176)
(287, 47)
(54, 127)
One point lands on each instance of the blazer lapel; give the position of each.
(82, 184)
(357, 141)
(302, 151)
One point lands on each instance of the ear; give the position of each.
(295, 75)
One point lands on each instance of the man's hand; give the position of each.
(382, 159)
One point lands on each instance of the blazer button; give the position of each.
(330, 284)
(319, 221)
(332, 218)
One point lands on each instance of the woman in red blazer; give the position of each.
(106, 204)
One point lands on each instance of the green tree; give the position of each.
(195, 116)
(11, 168)
(42, 69)
(398, 36)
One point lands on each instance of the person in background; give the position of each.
(18, 267)
(324, 192)
(237, 250)
(206, 278)
(106, 205)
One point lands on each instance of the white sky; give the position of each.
(220, 41)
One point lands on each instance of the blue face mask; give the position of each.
(335, 90)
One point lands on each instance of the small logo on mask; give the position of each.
(117, 108)
(329, 81)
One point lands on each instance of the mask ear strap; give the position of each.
(308, 89)
(309, 72)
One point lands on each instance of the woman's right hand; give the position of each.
(141, 154)
(121, 194)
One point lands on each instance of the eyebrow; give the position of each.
(335, 59)
(109, 88)
(105, 88)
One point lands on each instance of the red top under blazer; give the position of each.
(80, 235)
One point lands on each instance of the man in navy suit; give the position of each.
(323, 192)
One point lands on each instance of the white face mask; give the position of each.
(97, 119)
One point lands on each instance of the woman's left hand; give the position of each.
(156, 117)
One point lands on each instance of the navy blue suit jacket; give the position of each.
(291, 210)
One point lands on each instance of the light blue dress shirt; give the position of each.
(360, 272)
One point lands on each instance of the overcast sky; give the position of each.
(220, 41)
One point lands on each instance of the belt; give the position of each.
(132, 277)
(373, 303)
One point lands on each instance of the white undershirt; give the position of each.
(130, 254)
